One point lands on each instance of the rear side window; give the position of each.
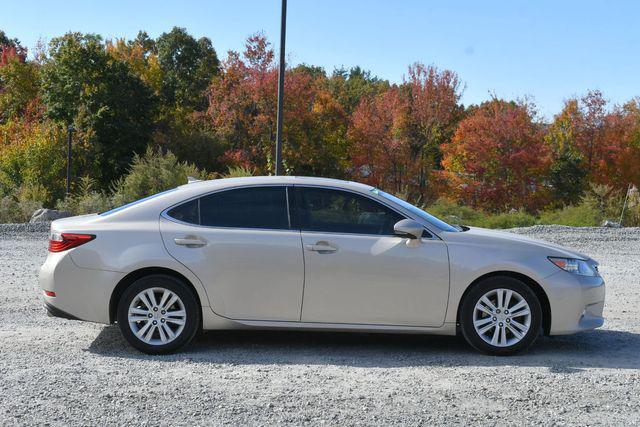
(254, 207)
(186, 212)
(338, 211)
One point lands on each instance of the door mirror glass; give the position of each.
(408, 228)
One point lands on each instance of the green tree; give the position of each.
(6, 41)
(112, 108)
(567, 174)
(350, 86)
(188, 66)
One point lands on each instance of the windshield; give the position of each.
(419, 212)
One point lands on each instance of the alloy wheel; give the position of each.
(502, 317)
(157, 316)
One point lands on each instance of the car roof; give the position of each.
(266, 180)
(158, 202)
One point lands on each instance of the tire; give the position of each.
(174, 309)
(483, 323)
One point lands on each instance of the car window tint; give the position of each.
(254, 207)
(343, 212)
(186, 212)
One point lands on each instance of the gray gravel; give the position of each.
(64, 372)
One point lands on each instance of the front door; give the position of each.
(358, 272)
(240, 245)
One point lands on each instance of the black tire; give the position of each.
(192, 323)
(473, 297)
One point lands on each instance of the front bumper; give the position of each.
(576, 302)
(80, 293)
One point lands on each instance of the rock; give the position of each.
(610, 224)
(48, 215)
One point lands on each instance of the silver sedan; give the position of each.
(310, 253)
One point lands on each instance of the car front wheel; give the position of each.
(501, 315)
(158, 314)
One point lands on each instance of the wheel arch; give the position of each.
(142, 272)
(535, 287)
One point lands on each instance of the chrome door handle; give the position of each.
(321, 247)
(190, 243)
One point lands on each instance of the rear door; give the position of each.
(240, 244)
(357, 271)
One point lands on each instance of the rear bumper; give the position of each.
(577, 302)
(56, 312)
(80, 293)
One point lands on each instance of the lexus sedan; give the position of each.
(314, 254)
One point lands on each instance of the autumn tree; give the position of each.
(242, 110)
(618, 160)
(19, 83)
(417, 117)
(592, 144)
(497, 159)
(432, 111)
(379, 151)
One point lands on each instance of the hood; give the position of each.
(511, 238)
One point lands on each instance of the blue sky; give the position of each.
(549, 50)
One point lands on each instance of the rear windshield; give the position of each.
(128, 205)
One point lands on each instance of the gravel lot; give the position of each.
(64, 372)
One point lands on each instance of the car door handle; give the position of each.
(190, 243)
(321, 247)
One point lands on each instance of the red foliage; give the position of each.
(243, 105)
(378, 153)
(8, 53)
(397, 136)
(497, 159)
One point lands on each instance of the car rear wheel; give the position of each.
(158, 314)
(501, 315)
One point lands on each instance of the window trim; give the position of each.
(432, 235)
(291, 214)
(164, 214)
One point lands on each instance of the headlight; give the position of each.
(575, 266)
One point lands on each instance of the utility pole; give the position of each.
(283, 28)
(69, 133)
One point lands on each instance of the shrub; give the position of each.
(86, 200)
(583, 215)
(34, 158)
(150, 174)
(17, 208)
(508, 220)
(453, 213)
(237, 171)
(632, 212)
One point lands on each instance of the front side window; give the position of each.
(416, 211)
(252, 207)
(335, 211)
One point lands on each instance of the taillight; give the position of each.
(59, 242)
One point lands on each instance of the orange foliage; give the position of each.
(497, 159)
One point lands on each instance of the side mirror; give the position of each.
(408, 228)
